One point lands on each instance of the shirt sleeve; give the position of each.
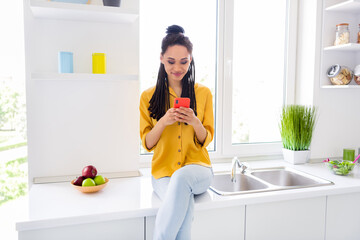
(145, 120)
(208, 121)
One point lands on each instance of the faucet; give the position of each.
(236, 163)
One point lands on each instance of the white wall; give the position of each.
(338, 124)
(81, 118)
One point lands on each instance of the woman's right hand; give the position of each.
(169, 117)
(154, 135)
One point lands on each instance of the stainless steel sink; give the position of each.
(263, 180)
(288, 177)
(223, 185)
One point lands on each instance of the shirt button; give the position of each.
(178, 137)
(179, 163)
(178, 123)
(179, 150)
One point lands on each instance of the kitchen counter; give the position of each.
(59, 204)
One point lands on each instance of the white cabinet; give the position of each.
(347, 11)
(80, 118)
(296, 219)
(112, 230)
(343, 217)
(222, 223)
(213, 224)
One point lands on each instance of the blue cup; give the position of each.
(66, 62)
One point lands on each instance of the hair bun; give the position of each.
(174, 29)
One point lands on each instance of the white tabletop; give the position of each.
(60, 204)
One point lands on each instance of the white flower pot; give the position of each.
(296, 157)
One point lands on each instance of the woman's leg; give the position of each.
(184, 232)
(177, 207)
(160, 186)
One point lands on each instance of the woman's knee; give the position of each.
(180, 178)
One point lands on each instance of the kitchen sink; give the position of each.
(263, 180)
(287, 177)
(223, 185)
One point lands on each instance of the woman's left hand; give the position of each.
(186, 115)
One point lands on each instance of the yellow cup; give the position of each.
(99, 63)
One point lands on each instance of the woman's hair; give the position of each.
(160, 101)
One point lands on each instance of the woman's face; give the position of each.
(176, 60)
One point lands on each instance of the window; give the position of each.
(256, 57)
(249, 47)
(258, 70)
(200, 26)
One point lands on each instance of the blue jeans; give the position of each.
(173, 220)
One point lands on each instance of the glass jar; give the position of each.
(339, 75)
(342, 34)
(357, 74)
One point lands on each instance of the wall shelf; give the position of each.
(347, 11)
(345, 47)
(81, 77)
(351, 6)
(81, 12)
(340, 86)
(81, 118)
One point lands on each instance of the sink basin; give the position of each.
(285, 177)
(263, 180)
(223, 185)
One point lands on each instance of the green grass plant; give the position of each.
(297, 123)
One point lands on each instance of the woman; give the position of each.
(181, 166)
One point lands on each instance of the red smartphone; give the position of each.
(182, 102)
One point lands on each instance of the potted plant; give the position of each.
(297, 123)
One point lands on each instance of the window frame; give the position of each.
(253, 149)
(223, 147)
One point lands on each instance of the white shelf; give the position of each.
(82, 77)
(341, 86)
(351, 6)
(81, 12)
(344, 47)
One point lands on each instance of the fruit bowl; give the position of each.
(91, 189)
(340, 167)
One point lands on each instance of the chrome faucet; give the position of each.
(236, 163)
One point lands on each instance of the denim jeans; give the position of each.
(174, 218)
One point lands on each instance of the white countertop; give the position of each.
(59, 204)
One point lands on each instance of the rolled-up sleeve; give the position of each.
(208, 121)
(145, 120)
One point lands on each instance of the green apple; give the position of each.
(88, 183)
(99, 180)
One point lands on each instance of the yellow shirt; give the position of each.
(178, 145)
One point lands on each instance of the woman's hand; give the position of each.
(186, 115)
(169, 117)
(154, 135)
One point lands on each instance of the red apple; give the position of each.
(89, 171)
(79, 180)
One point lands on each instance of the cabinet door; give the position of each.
(212, 224)
(295, 219)
(111, 230)
(343, 217)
